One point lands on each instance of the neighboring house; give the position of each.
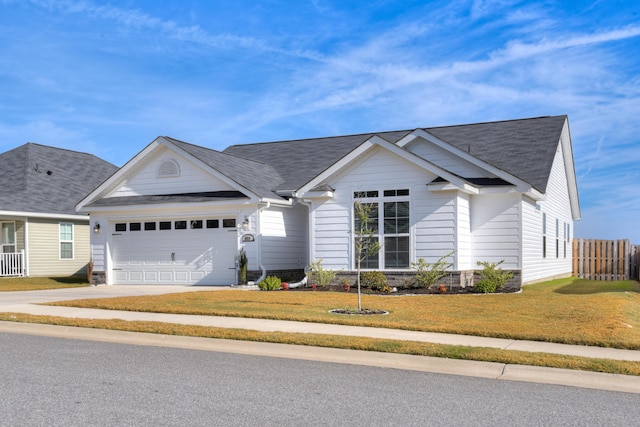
(180, 213)
(42, 234)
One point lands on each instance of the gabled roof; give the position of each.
(299, 161)
(42, 179)
(524, 148)
(257, 176)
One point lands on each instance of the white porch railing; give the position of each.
(12, 264)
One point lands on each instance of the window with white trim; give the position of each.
(8, 238)
(66, 240)
(394, 234)
(544, 235)
(557, 238)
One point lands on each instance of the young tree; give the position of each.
(366, 245)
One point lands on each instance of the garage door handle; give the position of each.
(173, 256)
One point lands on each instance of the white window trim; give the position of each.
(380, 235)
(15, 237)
(72, 241)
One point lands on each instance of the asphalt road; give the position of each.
(65, 382)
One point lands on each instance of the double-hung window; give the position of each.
(390, 226)
(66, 240)
(8, 238)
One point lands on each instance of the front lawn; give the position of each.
(8, 284)
(571, 310)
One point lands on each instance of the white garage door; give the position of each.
(198, 251)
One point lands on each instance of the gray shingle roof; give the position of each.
(256, 176)
(299, 161)
(524, 148)
(41, 179)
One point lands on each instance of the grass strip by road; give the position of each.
(14, 284)
(569, 311)
(353, 343)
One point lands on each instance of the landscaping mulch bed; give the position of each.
(399, 290)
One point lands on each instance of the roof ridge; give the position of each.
(322, 137)
(495, 121)
(217, 151)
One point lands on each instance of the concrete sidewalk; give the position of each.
(26, 302)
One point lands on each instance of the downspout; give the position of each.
(303, 282)
(259, 230)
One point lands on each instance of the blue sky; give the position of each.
(107, 78)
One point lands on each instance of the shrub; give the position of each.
(492, 277)
(270, 283)
(375, 280)
(319, 275)
(428, 274)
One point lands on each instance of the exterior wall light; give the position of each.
(96, 228)
(245, 223)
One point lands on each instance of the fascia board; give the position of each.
(570, 171)
(44, 215)
(367, 145)
(166, 206)
(119, 176)
(522, 185)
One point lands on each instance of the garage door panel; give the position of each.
(191, 256)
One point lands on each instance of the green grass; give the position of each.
(570, 311)
(9, 284)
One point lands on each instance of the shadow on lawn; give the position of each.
(588, 287)
(71, 280)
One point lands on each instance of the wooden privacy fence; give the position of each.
(605, 259)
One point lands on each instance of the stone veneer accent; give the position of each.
(98, 278)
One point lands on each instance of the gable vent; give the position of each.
(168, 168)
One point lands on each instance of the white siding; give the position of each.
(438, 156)
(556, 206)
(432, 214)
(495, 226)
(284, 237)
(464, 250)
(145, 180)
(435, 223)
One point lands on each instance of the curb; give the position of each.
(489, 370)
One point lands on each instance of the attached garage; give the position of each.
(190, 251)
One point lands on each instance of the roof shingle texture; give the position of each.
(524, 148)
(42, 179)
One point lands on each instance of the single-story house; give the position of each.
(42, 234)
(181, 213)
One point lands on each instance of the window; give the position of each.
(213, 223)
(135, 226)
(149, 226)
(371, 261)
(544, 235)
(8, 238)
(564, 230)
(66, 240)
(121, 226)
(180, 225)
(557, 238)
(164, 225)
(229, 223)
(394, 233)
(196, 223)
